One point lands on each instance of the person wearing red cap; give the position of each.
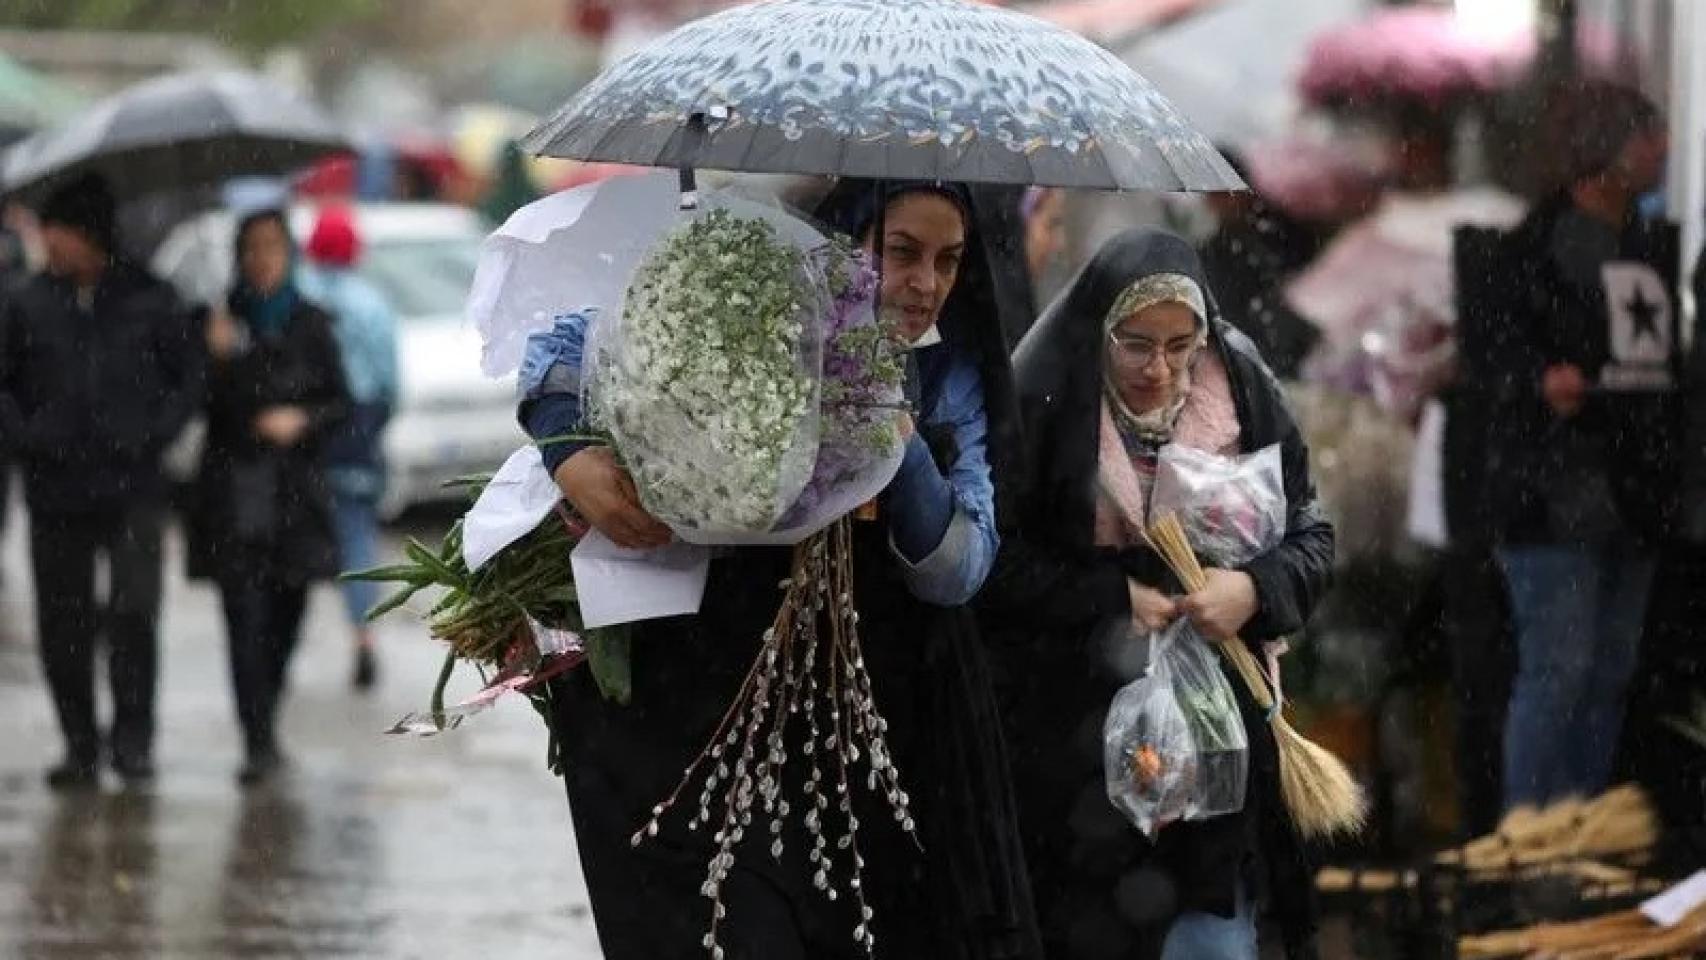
(366, 329)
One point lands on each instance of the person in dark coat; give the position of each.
(262, 527)
(13, 273)
(923, 556)
(1583, 424)
(99, 371)
(1131, 357)
(1246, 261)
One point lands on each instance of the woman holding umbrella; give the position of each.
(913, 94)
(927, 553)
(1132, 357)
(262, 528)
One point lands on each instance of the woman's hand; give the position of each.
(1151, 610)
(1222, 607)
(282, 426)
(223, 337)
(604, 494)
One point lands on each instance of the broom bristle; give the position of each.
(1323, 797)
(1320, 793)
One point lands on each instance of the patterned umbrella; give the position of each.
(944, 89)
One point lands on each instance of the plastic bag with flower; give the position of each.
(746, 381)
(1233, 509)
(1174, 746)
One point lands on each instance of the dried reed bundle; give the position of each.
(1625, 935)
(1620, 821)
(1324, 800)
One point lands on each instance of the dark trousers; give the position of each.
(71, 621)
(262, 622)
(1475, 620)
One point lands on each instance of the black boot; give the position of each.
(135, 769)
(366, 668)
(75, 773)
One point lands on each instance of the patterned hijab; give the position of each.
(1154, 427)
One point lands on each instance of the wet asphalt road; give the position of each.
(371, 846)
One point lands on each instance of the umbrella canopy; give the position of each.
(944, 89)
(173, 133)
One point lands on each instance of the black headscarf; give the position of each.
(976, 315)
(1057, 365)
(971, 824)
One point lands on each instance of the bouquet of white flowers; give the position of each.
(747, 383)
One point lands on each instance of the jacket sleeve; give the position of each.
(181, 353)
(942, 522)
(1292, 578)
(327, 402)
(550, 386)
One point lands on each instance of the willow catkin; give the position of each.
(1320, 794)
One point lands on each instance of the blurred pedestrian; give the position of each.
(262, 528)
(1247, 266)
(512, 186)
(366, 330)
(1131, 358)
(99, 372)
(1043, 210)
(1580, 451)
(13, 272)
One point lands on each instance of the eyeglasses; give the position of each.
(1142, 351)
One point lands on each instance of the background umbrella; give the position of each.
(175, 133)
(886, 88)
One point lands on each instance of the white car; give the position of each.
(451, 420)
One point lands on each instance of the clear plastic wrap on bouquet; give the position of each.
(1233, 508)
(745, 381)
(1174, 746)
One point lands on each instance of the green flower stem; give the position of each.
(438, 688)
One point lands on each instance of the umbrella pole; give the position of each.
(689, 189)
(879, 229)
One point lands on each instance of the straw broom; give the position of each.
(1324, 800)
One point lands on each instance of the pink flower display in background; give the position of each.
(1314, 180)
(1429, 54)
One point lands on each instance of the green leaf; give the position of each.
(400, 573)
(393, 602)
(609, 654)
(441, 571)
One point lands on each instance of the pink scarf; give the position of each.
(1208, 422)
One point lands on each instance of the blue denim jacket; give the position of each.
(941, 528)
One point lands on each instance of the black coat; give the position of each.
(263, 512)
(1248, 272)
(1052, 601)
(966, 896)
(91, 398)
(1550, 479)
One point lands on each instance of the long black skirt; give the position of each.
(963, 895)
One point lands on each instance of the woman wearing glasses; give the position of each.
(1133, 357)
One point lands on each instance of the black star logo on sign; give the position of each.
(1646, 316)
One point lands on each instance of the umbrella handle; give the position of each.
(695, 135)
